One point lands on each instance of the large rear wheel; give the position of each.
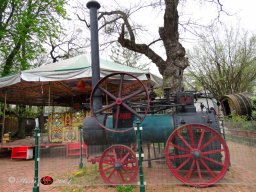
(197, 155)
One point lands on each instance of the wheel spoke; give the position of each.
(117, 116)
(107, 169)
(182, 164)
(188, 175)
(105, 108)
(178, 147)
(212, 160)
(180, 156)
(112, 172)
(121, 175)
(126, 169)
(198, 170)
(132, 111)
(133, 94)
(107, 162)
(208, 142)
(124, 158)
(186, 143)
(107, 93)
(120, 86)
(213, 151)
(114, 153)
(201, 139)
(208, 169)
(130, 161)
(191, 135)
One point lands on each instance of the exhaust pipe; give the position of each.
(95, 63)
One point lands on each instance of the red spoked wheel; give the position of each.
(118, 165)
(197, 155)
(119, 91)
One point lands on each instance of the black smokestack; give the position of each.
(95, 64)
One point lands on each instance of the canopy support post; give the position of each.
(3, 122)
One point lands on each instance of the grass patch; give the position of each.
(125, 188)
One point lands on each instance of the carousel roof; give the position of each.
(62, 83)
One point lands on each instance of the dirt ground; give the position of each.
(17, 175)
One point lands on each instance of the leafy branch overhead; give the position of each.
(24, 27)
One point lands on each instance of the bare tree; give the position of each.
(67, 45)
(173, 61)
(224, 65)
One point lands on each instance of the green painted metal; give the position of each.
(157, 128)
(81, 165)
(36, 184)
(142, 186)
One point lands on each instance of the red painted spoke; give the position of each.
(180, 156)
(191, 135)
(188, 175)
(124, 158)
(208, 142)
(107, 93)
(132, 111)
(117, 116)
(129, 168)
(107, 169)
(212, 160)
(120, 86)
(182, 164)
(121, 153)
(130, 161)
(208, 169)
(105, 108)
(198, 170)
(114, 153)
(201, 139)
(128, 175)
(121, 175)
(178, 147)
(133, 94)
(108, 162)
(112, 172)
(213, 151)
(184, 141)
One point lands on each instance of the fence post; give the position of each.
(81, 165)
(142, 185)
(36, 160)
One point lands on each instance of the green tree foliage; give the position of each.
(224, 65)
(24, 27)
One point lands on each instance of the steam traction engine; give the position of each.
(195, 151)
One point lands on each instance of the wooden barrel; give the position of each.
(239, 104)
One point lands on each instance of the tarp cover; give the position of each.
(57, 82)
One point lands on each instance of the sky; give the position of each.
(241, 13)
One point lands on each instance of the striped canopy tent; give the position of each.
(62, 83)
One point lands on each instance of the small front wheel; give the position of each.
(118, 165)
